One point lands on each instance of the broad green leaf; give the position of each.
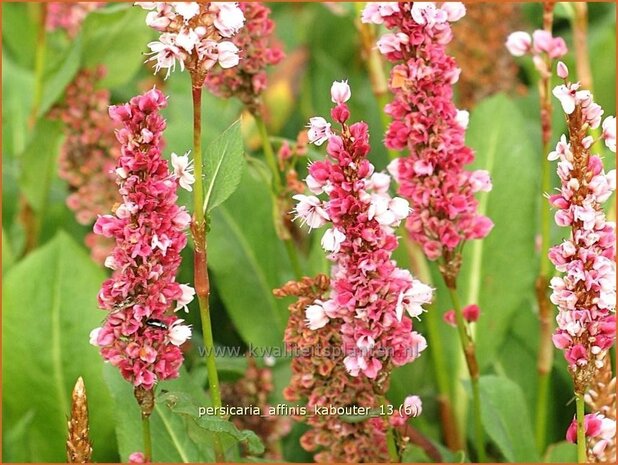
(38, 162)
(170, 442)
(248, 261)
(499, 271)
(115, 37)
(19, 30)
(505, 418)
(59, 75)
(17, 85)
(184, 405)
(224, 164)
(561, 452)
(49, 302)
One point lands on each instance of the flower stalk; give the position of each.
(147, 438)
(581, 431)
(469, 350)
(202, 282)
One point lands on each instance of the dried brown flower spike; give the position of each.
(79, 447)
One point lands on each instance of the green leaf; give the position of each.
(170, 442)
(561, 452)
(505, 418)
(49, 302)
(19, 30)
(115, 37)
(17, 84)
(224, 164)
(503, 265)
(59, 75)
(38, 162)
(183, 404)
(248, 261)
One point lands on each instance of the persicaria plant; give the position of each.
(337, 232)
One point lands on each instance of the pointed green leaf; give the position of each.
(60, 75)
(248, 261)
(116, 37)
(503, 265)
(38, 162)
(561, 452)
(49, 308)
(182, 404)
(170, 442)
(506, 420)
(224, 164)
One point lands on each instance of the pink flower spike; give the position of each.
(519, 43)
(562, 70)
(141, 334)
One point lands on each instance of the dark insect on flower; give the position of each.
(154, 323)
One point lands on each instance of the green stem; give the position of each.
(147, 438)
(392, 446)
(32, 220)
(269, 154)
(581, 432)
(277, 190)
(545, 353)
(202, 283)
(467, 345)
(450, 428)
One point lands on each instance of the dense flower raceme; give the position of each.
(140, 335)
(257, 51)
(374, 299)
(486, 67)
(89, 153)
(585, 293)
(320, 378)
(194, 35)
(427, 124)
(68, 16)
